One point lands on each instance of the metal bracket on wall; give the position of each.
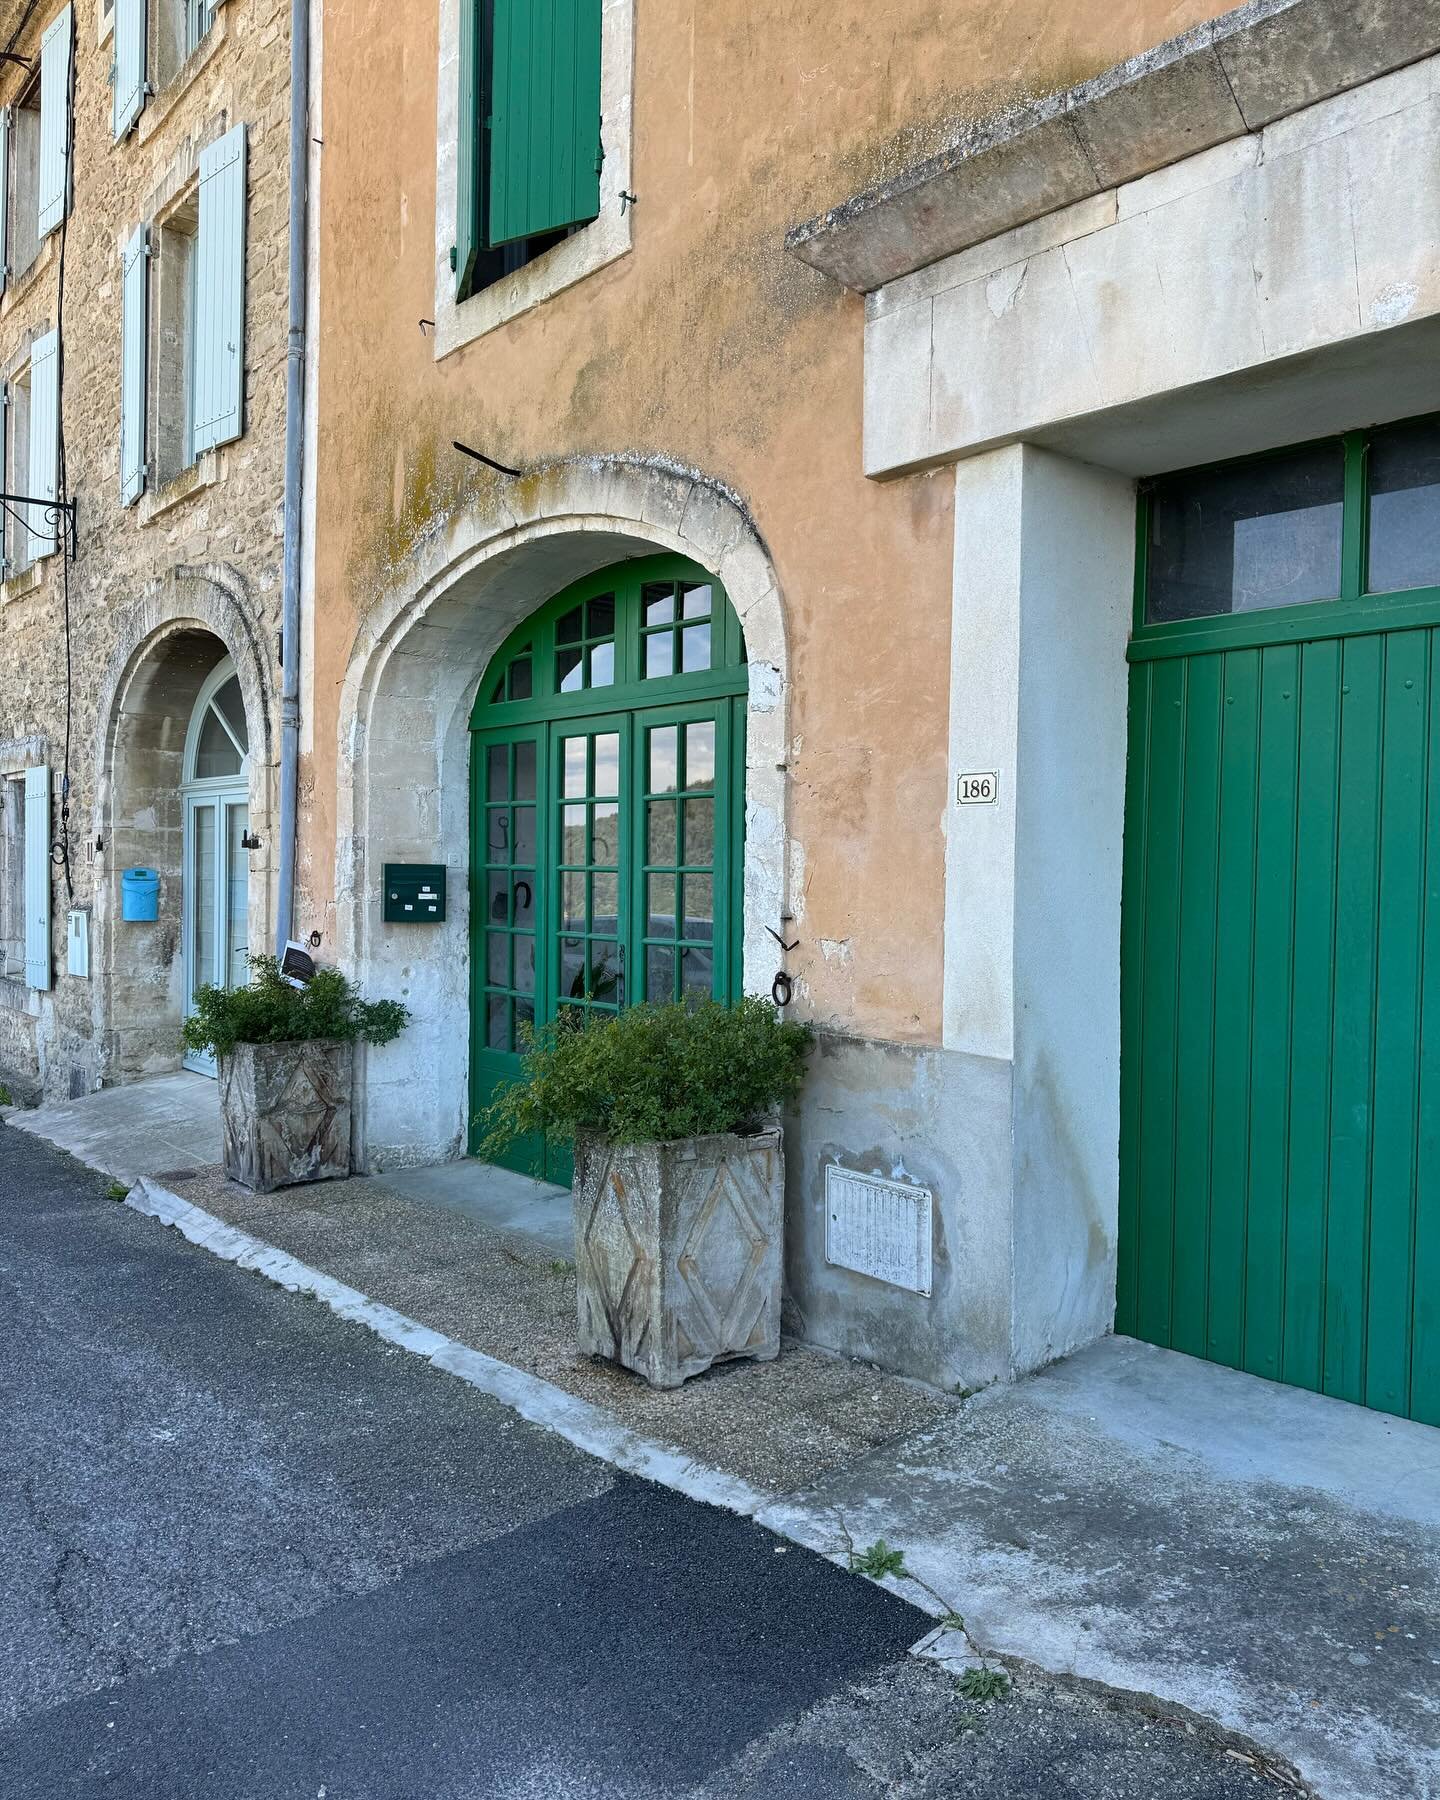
(54, 511)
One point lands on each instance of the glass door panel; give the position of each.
(681, 870)
(237, 895)
(589, 950)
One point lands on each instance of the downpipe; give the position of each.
(294, 468)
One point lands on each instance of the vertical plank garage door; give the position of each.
(1280, 1156)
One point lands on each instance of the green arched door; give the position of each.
(607, 814)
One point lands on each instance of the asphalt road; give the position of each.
(248, 1550)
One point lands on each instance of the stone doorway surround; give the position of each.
(1203, 253)
(403, 782)
(171, 642)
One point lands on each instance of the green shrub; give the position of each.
(270, 1011)
(653, 1074)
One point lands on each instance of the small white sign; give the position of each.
(982, 789)
(879, 1228)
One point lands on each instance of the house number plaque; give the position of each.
(982, 789)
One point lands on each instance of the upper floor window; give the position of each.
(182, 339)
(35, 150)
(1338, 520)
(530, 147)
(152, 44)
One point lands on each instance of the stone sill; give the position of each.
(17, 290)
(16, 587)
(205, 472)
(158, 108)
(601, 243)
(1222, 80)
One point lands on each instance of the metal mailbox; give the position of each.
(414, 893)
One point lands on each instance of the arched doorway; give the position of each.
(607, 813)
(215, 791)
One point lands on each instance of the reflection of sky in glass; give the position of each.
(1286, 558)
(662, 760)
(607, 764)
(1405, 539)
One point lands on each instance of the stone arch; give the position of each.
(170, 641)
(404, 753)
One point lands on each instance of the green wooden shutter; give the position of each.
(220, 293)
(44, 441)
(544, 136)
(133, 347)
(130, 84)
(469, 227)
(55, 53)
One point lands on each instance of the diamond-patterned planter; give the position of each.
(285, 1110)
(678, 1252)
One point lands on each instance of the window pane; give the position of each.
(524, 771)
(572, 835)
(661, 919)
(1260, 534)
(572, 905)
(497, 1023)
(659, 973)
(498, 777)
(525, 836)
(605, 836)
(659, 655)
(204, 875)
(600, 617)
(604, 902)
(607, 763)
(699, 907)
(700, 755)
(602, 665)
(524, 1022)
(700, 832)
(1405, 508)
(695, 652)
(696, 602)
(497, 905)
(497, 960)
(660, 604)
(229, 702)
(575, 770)
(697, 973)
(570, 629)
(215, 754)
(522, 679)
(523, 896)
(663, 746)
(572, 968)
(525, 964)
(497, 838)
(662, 832)
(569, 673)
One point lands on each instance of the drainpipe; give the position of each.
(294, 464)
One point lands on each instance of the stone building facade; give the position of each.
(170, 333)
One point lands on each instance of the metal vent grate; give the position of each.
(883, 1229)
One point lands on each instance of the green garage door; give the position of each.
(1280, 1207)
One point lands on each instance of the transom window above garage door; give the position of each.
(1340, 520)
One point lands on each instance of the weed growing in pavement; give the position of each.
(878, 1561)
(117, 1190)
(986, 1684)
(561, 1268)
(5, 1099)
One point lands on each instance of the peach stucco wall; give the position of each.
(709, 346)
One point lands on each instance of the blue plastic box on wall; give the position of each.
(140, 895)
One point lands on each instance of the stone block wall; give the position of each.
(189, 572)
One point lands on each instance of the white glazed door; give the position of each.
(216, 910)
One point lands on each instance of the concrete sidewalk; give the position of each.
(1215, 1545)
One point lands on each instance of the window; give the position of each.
(107, 19)
(17, 471)
(530, 138)
(12, 878)
(176, 272)
(22, 208)
(1353, 517)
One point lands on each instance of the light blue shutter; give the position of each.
(220, 293)
(44, 441)
(55, 51)
(37, 878)
(135, 287)
(5, 117)
(130, 84)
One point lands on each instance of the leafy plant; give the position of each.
(879, 1560)
(653, 1074)
(117, 1190)
(984, 1684)
(5, 1099)
(270, 1011)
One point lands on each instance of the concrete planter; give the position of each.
(285, 1110)
(678, 1252)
